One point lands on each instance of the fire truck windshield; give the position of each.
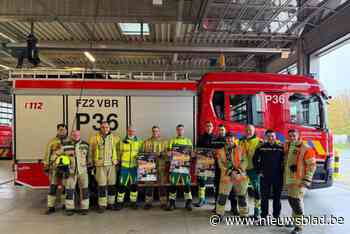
(306, 110)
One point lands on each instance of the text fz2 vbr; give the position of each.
(97, 103)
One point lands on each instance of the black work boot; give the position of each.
(188, 205)
(50, 210)
(101, 209)
(111, 207)
(119, 206)
(200, 203)
(134, 205)
(234, 211)
(171, 205)
(147, 206)
(163, 206)
(68, 212)
(84, 212)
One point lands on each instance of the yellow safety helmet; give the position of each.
(62, 160)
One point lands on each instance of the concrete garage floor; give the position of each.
(21, 211)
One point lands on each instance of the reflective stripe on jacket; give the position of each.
(178, 141)
(303, 157)
(79, 154)
(230, 161)
(153, 145)
(105, 149)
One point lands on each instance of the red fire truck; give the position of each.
(82, 101)
(5, 141)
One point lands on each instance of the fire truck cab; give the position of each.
(270, 101)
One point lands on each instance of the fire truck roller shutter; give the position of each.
(164, 111)
(36, 120)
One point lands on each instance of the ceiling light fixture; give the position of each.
(90, 56)
(157, 2)
(5, 67)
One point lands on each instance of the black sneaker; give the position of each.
(188, 205)
(171, 205)
(68, 212)
(147, 206)
(50, 210)
(297, 230)
(111, 207)
(234, 211)
(101, 209)
(119, 206)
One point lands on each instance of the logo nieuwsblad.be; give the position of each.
(283, 221)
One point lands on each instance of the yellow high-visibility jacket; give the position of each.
(179, 141)
(129, 149)
(248, 147)
(104, 149)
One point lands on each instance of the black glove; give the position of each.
(293, 168)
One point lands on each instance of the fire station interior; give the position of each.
(46, 44)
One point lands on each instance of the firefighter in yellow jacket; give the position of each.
(51, 154)
(248, 145)
(78, 151)
(176, 178)
(233, 176)
(300, 166)
(155, 144)
(104, 148)
(129, 150)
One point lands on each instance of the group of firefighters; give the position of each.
(265, 164)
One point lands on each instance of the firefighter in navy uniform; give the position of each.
(204, 141)
(52, 152)
(220, 140)
(78, 150)
(268, 162)
(218, 143)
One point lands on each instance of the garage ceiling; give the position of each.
(204, 29)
